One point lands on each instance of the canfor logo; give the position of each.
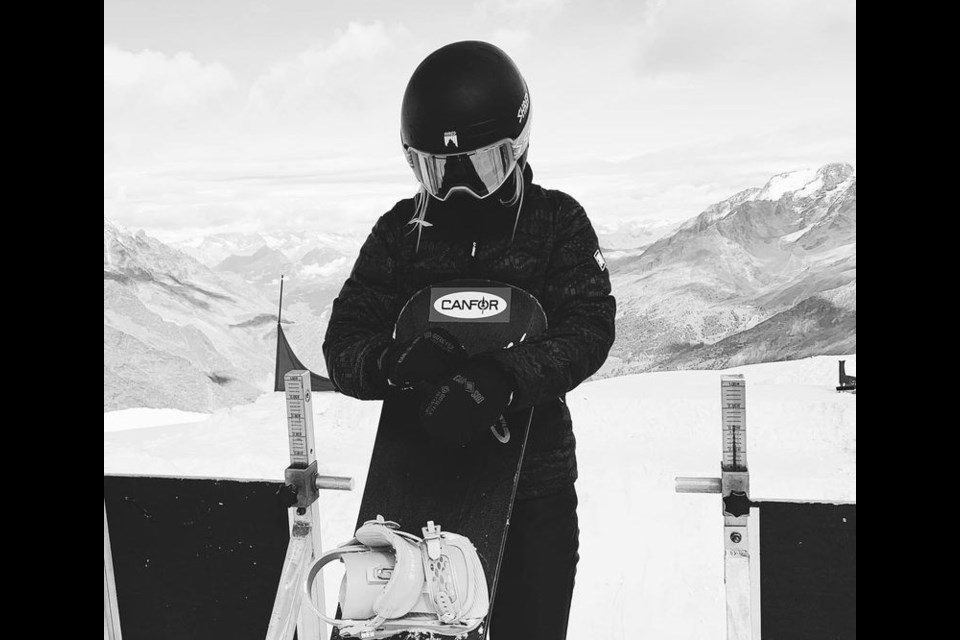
(470, 304)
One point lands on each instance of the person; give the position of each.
(465, 130)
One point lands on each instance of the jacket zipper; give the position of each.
(473, 259)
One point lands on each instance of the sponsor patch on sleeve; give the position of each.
(600, 261)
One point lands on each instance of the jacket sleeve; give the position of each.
(580, 317)
(363, 317)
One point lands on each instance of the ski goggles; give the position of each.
(480, 172)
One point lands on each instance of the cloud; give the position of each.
(520, 6)
(317, 271)
(150, 79)
(357, 41)
(153, 102)
(679, 182)
(510, 40)
(344, 74)
(652, 108)
(690, 36)
(185, 200)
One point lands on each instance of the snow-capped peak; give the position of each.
(804, 183)
(835, 173)
(784, 183)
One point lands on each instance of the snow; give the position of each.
(142, 418)
(651, 559)
(811, 188)
(805, 183)
(790, 237)
(834, 255)
(312, 271)
(784, 183)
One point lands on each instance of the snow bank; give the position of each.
(126, 419)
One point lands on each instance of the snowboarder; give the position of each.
(465, 129)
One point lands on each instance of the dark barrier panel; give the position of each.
(195, 558)
(808, 571)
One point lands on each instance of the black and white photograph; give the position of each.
(494, 320)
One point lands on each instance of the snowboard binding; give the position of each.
(395, 581)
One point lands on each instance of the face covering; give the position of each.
(462, 216)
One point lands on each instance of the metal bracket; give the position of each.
(304, 481)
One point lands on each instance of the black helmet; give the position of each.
(465, 119)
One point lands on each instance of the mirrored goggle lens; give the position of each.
(480, 172)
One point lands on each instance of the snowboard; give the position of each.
(467, 490)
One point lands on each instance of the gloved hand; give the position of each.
(432, 354)
(458, 408)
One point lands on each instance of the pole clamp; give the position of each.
(304, 482)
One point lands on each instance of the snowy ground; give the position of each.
(651, 559)
(139, 418)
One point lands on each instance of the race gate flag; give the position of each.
(478, 304)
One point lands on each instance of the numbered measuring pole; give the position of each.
(733, 408)
(300, 419)
(734, 485)
(303, 480)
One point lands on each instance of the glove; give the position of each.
(432, 354)
(458, 408)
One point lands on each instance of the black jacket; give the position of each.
(553, 254)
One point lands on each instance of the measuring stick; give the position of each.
(734, 485)
(305, 534)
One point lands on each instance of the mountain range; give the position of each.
(767, 274)
(176, 334)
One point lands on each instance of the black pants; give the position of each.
(538, 570)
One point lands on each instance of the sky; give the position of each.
(241, 116)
